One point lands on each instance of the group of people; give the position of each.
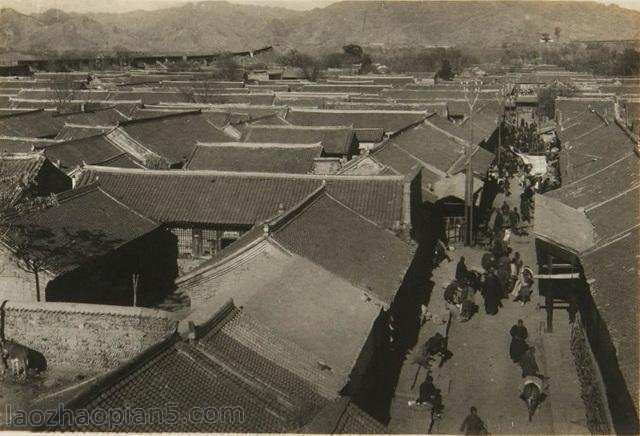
(460, 292)
(507, 218)
(521, 352)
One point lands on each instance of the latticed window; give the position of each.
(185, 239)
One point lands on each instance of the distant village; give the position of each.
(338, 255)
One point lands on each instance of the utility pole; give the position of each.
(471, 94)
(501, 98)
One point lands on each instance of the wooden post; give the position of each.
(135, 279)
(548, 302)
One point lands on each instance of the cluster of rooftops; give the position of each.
(319, 178)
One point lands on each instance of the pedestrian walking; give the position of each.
(514, 220)
(472, 424)
(461, 270)
(518, 347)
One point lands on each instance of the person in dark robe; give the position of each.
(461, 270)
(503, 275)
(497, 223)
(490, 293)
(525, 203)
(505, 208)
(518, 347)
(514, 220)
(429, 394)
(528, 363)
(472, 424)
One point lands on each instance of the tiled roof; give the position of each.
(614, 280)
(31, 124)
(295, 307)
(431, 145)
(343, 416)
(16, 171)
(334, 140)
(571, 108)
(11, 144)
(259, 157)
(390, 121)
(89, 150)
(347, 244)
(370, 135)
(69, 132)
(402, 162)
(99, 117)
(173, 136)
(178, 372)
(601, 185)
(251, 347)
(336, 87)
(217, 197)
(594, 150)
(82, 224)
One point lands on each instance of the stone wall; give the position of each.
(85, 335)
(598, 419)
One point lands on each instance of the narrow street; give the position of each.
(480, 373)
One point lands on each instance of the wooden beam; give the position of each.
(566, 276)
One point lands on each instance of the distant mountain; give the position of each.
(218, 25)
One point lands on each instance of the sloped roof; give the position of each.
(88, 150)
(17, 171)
(612, 273)
(12, 144)
(347, 244)
(600, 185)
(74, 131)
(182, 373)
(343, 416)
(571, 108)
(81, 225)
(334, 140)
(260, 157)
(431, 145)
(594, 150)
(218, 197)
(30, 124)
(562, 225)
(173, 136)
(258, 351)
(313, 308)
(390, 121)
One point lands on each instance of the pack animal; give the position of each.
(15, 358)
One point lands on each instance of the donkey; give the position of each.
(16, 358)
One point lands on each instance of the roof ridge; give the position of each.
(239, 144)
(15, 114)
(248, 174)
(69, 141)
(129, 208)
(295, 127)
(74, 193)
(160, 117)
(280, 221)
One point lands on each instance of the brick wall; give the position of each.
(85, 335)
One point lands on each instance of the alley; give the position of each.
(480, 373)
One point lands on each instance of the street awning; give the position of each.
(538, 163)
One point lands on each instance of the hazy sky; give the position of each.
(29, 6)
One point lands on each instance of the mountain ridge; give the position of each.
(220, 25)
